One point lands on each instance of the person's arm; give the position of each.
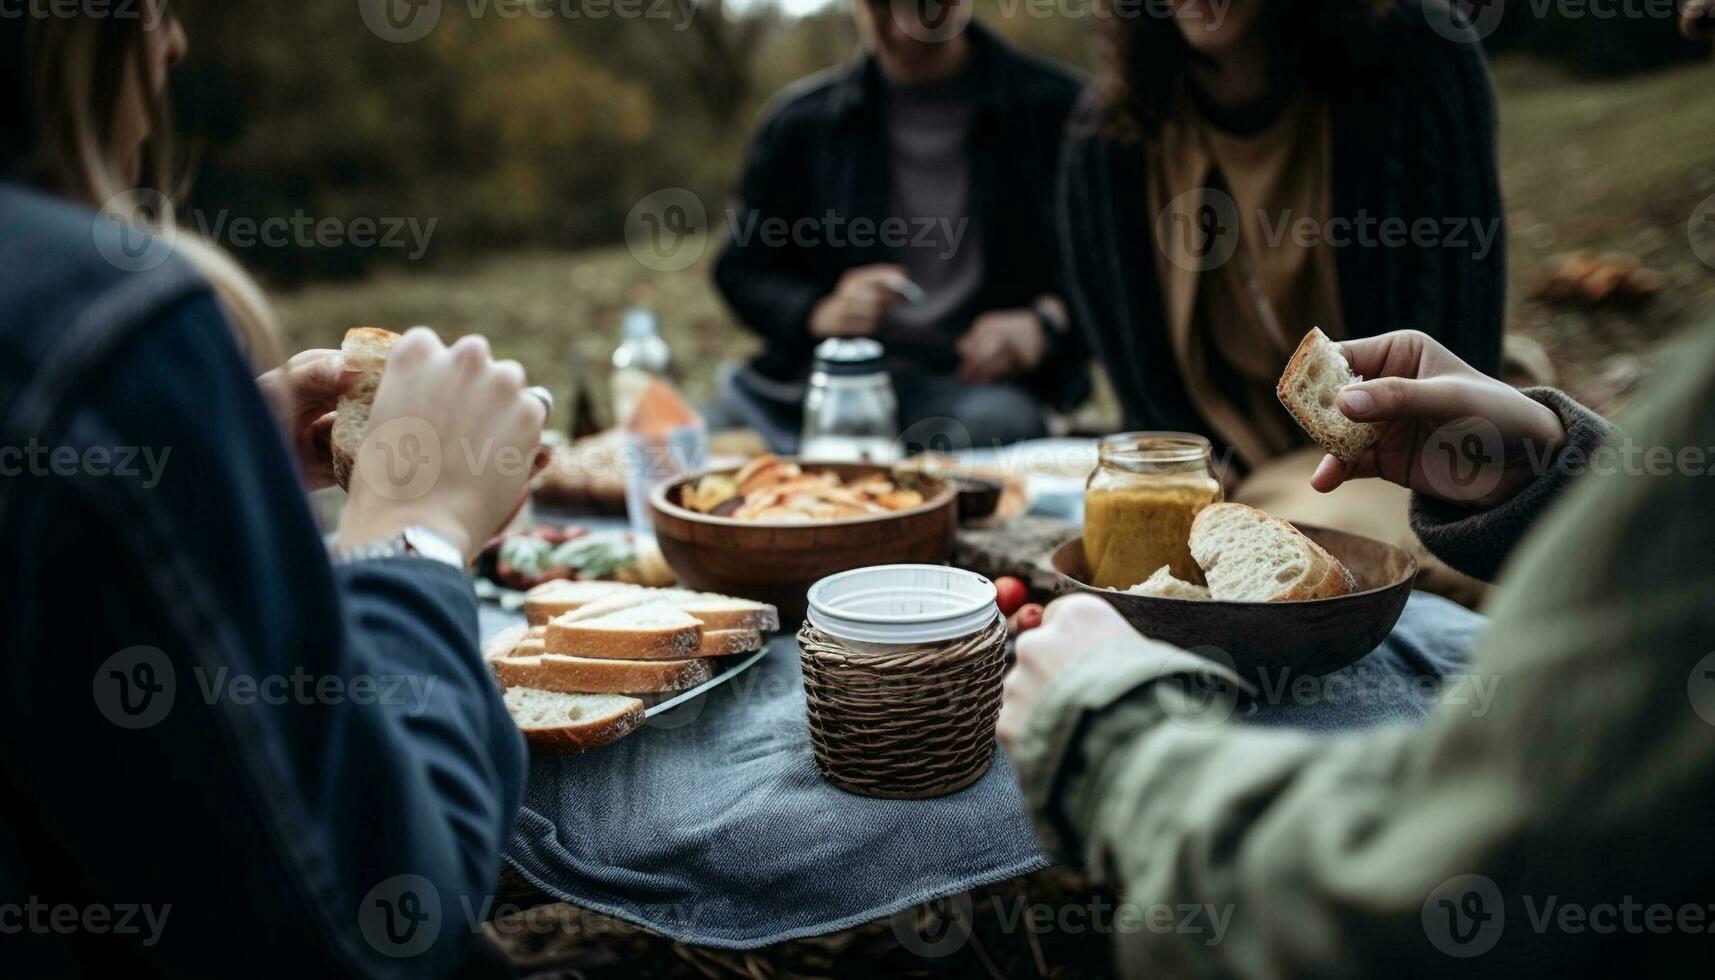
(1567, 765)
(768, 281)
(324, 742)
(1568, 769)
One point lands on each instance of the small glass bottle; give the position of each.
(641, 355)
(850, 412)
(1140, 502)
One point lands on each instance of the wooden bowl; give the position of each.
(1315, 636)
(777, 563)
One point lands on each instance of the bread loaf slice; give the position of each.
(651, 630)
(584, 675)
(366, 350)
(565, 724)
(729, 643)
(1163, 585)
(561, 596)
(1308, 388)
(715, 612)
(1250, 556)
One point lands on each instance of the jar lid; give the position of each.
(849, 356)
(901, 605)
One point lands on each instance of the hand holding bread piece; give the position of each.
(1310, 388)
(403, 432)
(1425, 405)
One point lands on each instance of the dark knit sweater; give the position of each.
(1479, 542)
(1413, 140)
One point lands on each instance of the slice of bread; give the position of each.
(719, 612)
(1163, 585)
(366, 350)
(1250, 556)
(566, 724)
(583, 675)
(729, 643)
(715, 612)
(561, 596)
(651, 630)
(1308, 388)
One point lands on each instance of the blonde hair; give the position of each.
(75, 74)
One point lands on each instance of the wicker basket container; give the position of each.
(913, 718)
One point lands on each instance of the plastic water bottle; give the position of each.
(641, 355)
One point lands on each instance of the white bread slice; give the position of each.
(1250, 556)
(566, 724)
(715, 612)
(365, 350)
(729, 643)
(582, 675)
(644, 631)
(561, 596)
(1163, 585)
(1312, 381)
(719, 612)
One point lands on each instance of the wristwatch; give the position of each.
(415, 541)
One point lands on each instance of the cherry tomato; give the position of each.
(1010, 594)
(1028, 617)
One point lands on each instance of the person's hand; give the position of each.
(1697, 19)
(1000, 345)
(452, 442)
(1447, 430)
(858, 303)
(1071, 628)
(304, 393)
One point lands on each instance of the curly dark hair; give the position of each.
(1146, 61)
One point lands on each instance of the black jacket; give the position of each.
(165, 591)
(823, 148)
(1413, 138)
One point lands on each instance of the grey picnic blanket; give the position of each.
(711, 826)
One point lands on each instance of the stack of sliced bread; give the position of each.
(593, 651)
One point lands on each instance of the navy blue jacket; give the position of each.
(822, 150)
(220, 753)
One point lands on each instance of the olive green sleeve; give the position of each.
(1585, 777)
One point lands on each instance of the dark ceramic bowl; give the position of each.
(1315, 636)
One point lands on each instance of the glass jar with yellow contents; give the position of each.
(1139, 504)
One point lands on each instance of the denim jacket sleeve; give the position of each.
(324, 742)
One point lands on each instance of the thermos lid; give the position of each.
(849, 357)
(902, 605)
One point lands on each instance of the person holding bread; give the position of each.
(1560, 831)
(197, 703)
(1240, 173)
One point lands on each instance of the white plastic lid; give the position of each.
(902, 605)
